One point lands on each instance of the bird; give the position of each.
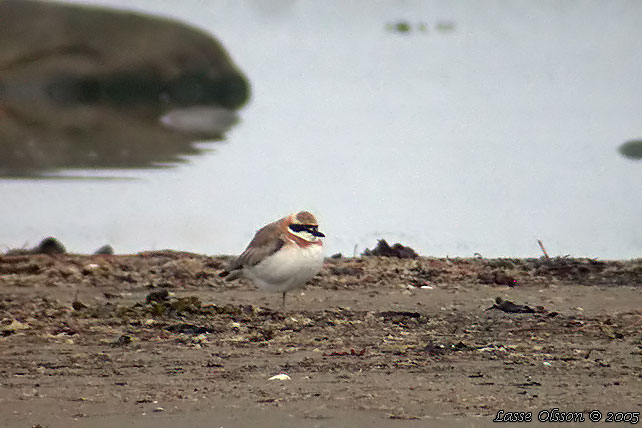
(282, 256)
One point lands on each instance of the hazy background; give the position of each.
(486, 126)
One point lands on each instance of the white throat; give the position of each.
(306, 236)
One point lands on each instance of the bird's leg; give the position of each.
(284, 301)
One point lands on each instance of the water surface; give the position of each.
(502, 130)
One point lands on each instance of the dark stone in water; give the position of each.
(631, 149)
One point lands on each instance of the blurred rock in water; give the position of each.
(85, 87)
(632, 149)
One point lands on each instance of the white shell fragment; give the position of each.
(280, 376)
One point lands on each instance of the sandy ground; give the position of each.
(159, 340)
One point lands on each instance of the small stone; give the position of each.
(13, 327)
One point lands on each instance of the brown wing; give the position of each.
(262, 245)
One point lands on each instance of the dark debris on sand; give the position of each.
(166, 318)
(383, 249)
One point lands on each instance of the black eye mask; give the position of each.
(313, 230)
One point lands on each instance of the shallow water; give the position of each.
(497, 125)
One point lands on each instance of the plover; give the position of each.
(282, 256)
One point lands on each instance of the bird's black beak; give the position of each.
(319, 234)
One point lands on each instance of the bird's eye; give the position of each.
(304, 227)
(298, 227)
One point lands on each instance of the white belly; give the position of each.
(289, 268)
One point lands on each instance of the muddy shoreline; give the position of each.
(158, 338)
